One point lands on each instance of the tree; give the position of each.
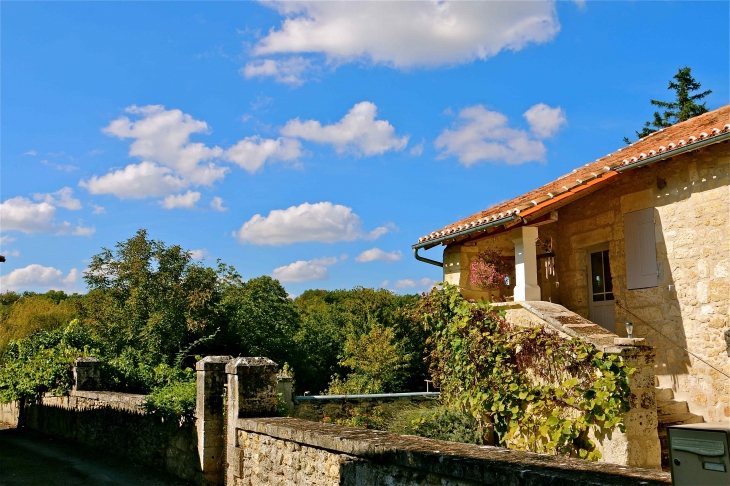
(684, 108)
(23, 315)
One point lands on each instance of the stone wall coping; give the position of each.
(374, 396)
(111, 397)
(86, 361)
(212, 363)
(487, 464)
(247, 365)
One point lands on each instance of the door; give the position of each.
(600, 290)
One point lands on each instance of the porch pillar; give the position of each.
(526, 287)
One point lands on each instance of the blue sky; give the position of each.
(314, 141)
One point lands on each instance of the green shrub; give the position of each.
(438, 423)
(362, 419)
(175, 400)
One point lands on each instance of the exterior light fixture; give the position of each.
(629, 329)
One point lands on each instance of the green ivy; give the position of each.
(540, 391)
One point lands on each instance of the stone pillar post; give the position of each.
(639, 445)
(251, 393)
(209, 417)
(284, 386)
(526, 288)
(86, 374)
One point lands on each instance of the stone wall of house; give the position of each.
(117, 424)
(316, 408)
(690, 305)
(288, 451)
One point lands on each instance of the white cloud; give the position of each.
(39, 277)
(408, 34)
(357, 131)
(380, 231)
(21, 214)
(324, 222)
(12, 253)
(217, 204)
(98, 209)
(32, 153)
(186, 200)
(384, 284)
(376, 254)
(545, 121)
(198, 254)
(287, 71)
(81, 230)
(62, 198)
(417, 150)
(6, 239)
(302, 271)
(252, 153)
(408, 283)
(136, 181)
(483, 135)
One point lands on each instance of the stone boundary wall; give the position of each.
(297, 452)
(116, 424)
(335, 407)
(10, 413)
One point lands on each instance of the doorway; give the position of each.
(600, 288)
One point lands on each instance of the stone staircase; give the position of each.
(671, 412)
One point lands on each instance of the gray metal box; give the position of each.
(699, 454)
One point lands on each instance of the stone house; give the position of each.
(639, 235)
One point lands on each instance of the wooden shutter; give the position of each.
(641, 266)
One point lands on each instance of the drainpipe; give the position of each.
(451, 236)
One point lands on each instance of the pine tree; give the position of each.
(684, 108)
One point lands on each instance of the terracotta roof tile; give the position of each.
(691, 131)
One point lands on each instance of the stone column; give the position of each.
(639, 445)
(284, 386)
(209, 417)
(251, 393)
(86, 374)
(526, 288)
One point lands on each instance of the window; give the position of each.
(640, 244)
(601, 283)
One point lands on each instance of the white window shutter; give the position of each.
(641, 266)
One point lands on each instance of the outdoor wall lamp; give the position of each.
(629, 329)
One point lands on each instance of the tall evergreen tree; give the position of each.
(684, 108)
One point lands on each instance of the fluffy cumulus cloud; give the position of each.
(252, 153)
(403, 34)
(376, 254)
(480, 135)
(423, 283)
(545, 121)
(38, 277)
(302, 271)
(170, 161)
(198, 254)
(184, 201)
(22, 214)
(287, 71)
(62, 198)
(324, 222)
(217, 204)
(136, 181)
(357, 132)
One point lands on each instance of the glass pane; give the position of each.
(607, 273)
(597, 273)
(598, 297)
(609, 296)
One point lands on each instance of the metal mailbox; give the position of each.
(699, 454)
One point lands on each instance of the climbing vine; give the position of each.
(541, 392)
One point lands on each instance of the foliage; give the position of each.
(542, 392)
(437, 422)
(174, 400)
(329, 319)
(683, 108)
(376, 361)
(26, 314)
(489, 270)
(42, 362)
(362, 419)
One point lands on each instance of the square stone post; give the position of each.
(86, 374)
(284, 386)
(251, 393)
(209, 417)
(526, 287)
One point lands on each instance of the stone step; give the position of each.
(663, 394)
(670, 407)
(679, 419)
